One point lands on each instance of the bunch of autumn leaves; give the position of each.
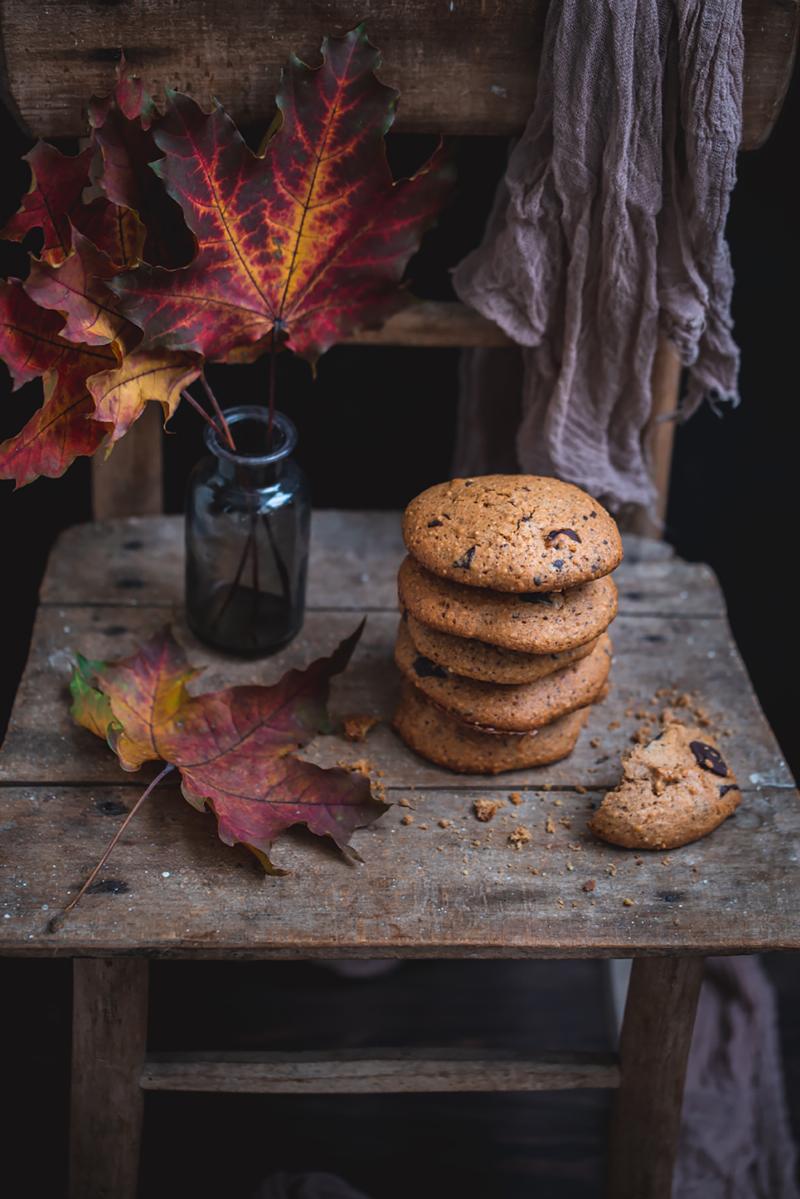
(167, 243)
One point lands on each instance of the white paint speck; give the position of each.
(45, 907)
(6, 915)
(165, 874)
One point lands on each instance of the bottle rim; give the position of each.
(283, 430)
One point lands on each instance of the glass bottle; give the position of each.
(248, 516)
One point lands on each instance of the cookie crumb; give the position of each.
(407, 819)
(444, 823)
(358, 725)
(581, 790)
(520, 836)
(549, 825)
(515, 798)
(613, 725)
(404, 803)
(589, 885)
(595, 742)
(611, 869)
(424, 827)
(628, 903)
(486, 809)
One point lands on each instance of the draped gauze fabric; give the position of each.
(607, 230)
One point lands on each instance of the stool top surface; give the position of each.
(172, 889)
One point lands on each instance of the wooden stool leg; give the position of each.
(109, 1035)
(654, 1049)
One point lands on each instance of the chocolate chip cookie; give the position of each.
(512, 533)
(673, 791)
(515, 709)
(488, 663)
(532, 623)
(447, 741)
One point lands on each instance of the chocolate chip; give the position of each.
(558, 564)
(434, 524)
(593, 513)
(427, 669)
(554, 533)
(537, 580)
(726, 787)
(465, 561)
(708, 758)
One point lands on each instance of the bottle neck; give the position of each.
(259, 460)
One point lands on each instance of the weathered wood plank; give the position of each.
(129, 482)
(109, 1033)
(172, 889)
(377, 1071)
(428, 323)
(465, 68)
(43, 745)
(353, 566)
(654, 1050)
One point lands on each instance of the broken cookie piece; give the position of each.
(674, 790)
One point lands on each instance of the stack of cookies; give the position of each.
(506, 596)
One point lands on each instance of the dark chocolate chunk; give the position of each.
(427, 669)
(465, 561)
(708, 758)
(554, 533)
(434, 524)
(726, 787)
(593, 513)
(558, 564)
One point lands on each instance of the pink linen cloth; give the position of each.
(607, 230)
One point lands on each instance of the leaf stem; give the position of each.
(57, 920)
(187, 395)
(272, 387)
(218, 410)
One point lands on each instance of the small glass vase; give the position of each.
(248, 516)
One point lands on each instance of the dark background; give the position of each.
(375, 428)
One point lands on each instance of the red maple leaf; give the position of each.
(122, 133)
(235, 748)
(309, 238)
(62, 429)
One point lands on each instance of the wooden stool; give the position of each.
(183, 896)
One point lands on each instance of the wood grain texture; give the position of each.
(461, 68)
(172, 889)
(434, 323)
(109, 1031)
(129, 482)
(377, 1071)
(654, 1050)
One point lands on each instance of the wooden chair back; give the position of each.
(465, 68)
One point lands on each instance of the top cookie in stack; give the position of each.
(506, 598)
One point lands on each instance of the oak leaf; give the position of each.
(308, 238)
(235, 748)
